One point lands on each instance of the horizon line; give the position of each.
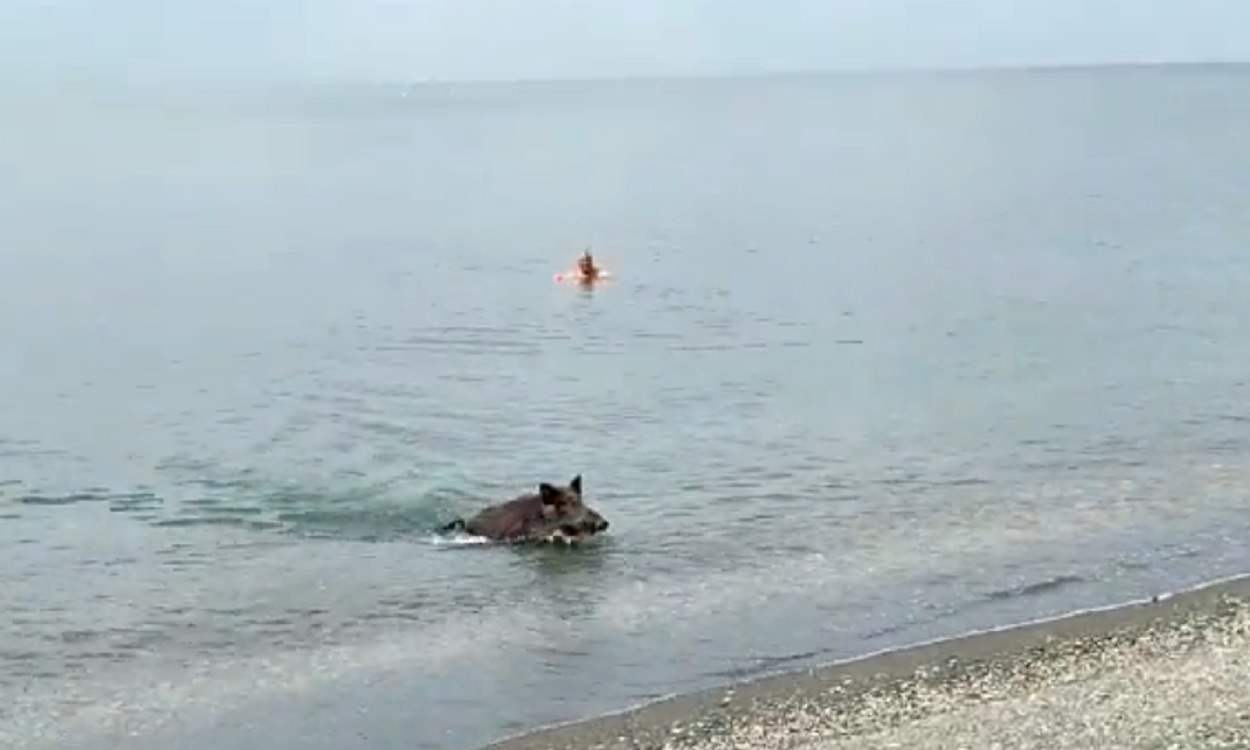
(271, 85)
(823, 72)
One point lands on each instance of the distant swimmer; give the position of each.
(586, 268)
(586, 272)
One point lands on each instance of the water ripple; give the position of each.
(1036, 588)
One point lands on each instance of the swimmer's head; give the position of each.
(586, 264)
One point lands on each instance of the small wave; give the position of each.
(764, 664)
(462, 346)
(704, 347)
(241, 523)
(216, 506)
(963, 482)
(135, 501)
(122, 501)
(1034, 589)
(58, 499)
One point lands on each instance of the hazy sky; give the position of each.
(404, 40)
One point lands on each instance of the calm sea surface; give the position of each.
(887, 358)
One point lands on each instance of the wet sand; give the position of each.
(1173, 671)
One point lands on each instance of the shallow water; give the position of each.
(886, 358)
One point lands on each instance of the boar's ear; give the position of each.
(550, 495)
(576, 484)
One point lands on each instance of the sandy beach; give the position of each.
(1171, 672)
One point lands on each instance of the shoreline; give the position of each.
(890, 689)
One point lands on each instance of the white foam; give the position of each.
(458, 539)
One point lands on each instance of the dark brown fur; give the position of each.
(549, 515)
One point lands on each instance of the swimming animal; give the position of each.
(553, 514)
